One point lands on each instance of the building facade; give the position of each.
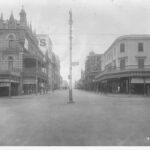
(23, 67)
(56, 78)
(92, 68)
(126, 64)
(45, 45)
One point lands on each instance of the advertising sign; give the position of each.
(45, 44)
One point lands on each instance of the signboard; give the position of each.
(75, 63)
(45, 44)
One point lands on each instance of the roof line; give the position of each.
(130, 36)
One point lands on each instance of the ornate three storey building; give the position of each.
(23, 67)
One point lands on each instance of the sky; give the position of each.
(96, 24)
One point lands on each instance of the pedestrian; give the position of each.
(118, 89)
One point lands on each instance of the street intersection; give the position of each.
(93, 120)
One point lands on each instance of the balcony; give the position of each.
(5, 70)
(131, 70)
(31, 72)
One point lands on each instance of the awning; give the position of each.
(29, 81)
(7, 80)
(137, 80)
(147, 80)
(140, 80)
(104, 81)
(4, 84)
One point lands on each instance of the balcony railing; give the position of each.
(32, 72)
(124, 69)
(7, 70)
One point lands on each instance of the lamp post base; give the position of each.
(70, 102)
(70, 97)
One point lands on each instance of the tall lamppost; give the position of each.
(70, 59)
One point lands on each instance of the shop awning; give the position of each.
(147, 80)
(29, 81)
(140, 80)
(4, 84)
(137, 80)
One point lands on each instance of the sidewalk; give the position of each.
(124, 95)
(121, 95)
(24, 96)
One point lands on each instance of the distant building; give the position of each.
(57, 73)
(80, 84)
(126, 64)
(45, 45)
(64, 84)
(92, 68)
(56, 78)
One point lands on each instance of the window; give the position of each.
(11, 44)
(141, 63)
(114, 51)
(122, 64)
(140, 47)
(114, 64)
(11, 41)
(122, 47)
(10, 63)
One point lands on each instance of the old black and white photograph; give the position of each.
(75, 73)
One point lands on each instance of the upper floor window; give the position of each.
(114, 51)
(122, 64)
(11, 44)
(11, 41)
(10, 62)
(141, 63)
(122, 47)
(114, 64)
(140, 47)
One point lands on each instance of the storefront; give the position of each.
(9, 88)
(4, 88)
(29, 86)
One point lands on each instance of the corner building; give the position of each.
(126, 63)
(23, 67)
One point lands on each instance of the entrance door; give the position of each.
(4, 91)
(14, 89)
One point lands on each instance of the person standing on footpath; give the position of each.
(118, 89)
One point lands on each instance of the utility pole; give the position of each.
(70, 59)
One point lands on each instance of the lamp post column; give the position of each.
(70, 59)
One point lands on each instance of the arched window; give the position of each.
(10, 63)
(11, 40)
